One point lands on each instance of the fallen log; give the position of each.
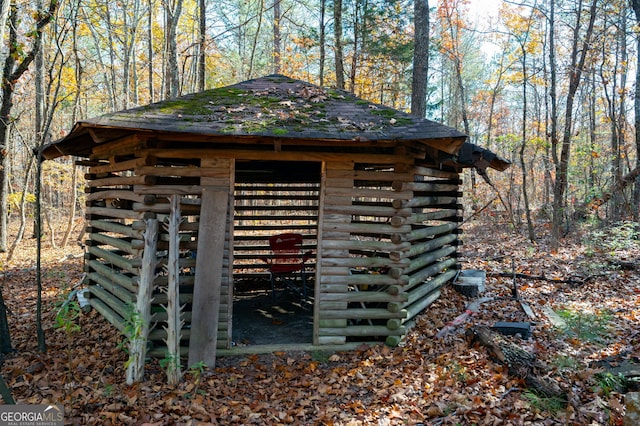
(520, 363)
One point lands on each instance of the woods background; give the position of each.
(550, 85)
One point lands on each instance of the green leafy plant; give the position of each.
(170, 364)
(620, 236)
(196, 371)
(607, 382)
(132, 329)
(586, 326)
(321, 356)
(550, 405)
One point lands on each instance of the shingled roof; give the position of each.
(274, 106)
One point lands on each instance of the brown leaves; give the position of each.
(427, 380)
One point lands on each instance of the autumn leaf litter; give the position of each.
(428, 380)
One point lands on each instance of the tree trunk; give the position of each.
(111, 75)
(578, 58)
(42, 346)
(150, 52)
(322, 41)
(277, 52)
(72, 212)
(523, 146)
(172, 10)
(337, 32)
(356, 40)
(636, 108)
(202, 60)
(5, 334)
(255, 40)
(553, 121)
(420, 58)
(23, 212)
(5, 392)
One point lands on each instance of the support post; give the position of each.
(138, 323)
(173, 309)
(209, 263)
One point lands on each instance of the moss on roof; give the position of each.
(275, 106)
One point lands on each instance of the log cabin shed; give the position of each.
(375, 193)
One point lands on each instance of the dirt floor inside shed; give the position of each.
(261, 319)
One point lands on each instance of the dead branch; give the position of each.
(574, 280)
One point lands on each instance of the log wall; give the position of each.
(387, 243)
(122, 193)
(383, 229)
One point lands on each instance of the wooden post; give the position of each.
(206, 291)
(141, 317)
(174, 321)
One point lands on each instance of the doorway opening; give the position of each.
(271, 198)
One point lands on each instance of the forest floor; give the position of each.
(592, 284)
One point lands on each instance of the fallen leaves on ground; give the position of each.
(428, 380)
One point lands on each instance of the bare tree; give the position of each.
(635, 4)
(277, 39)
(578, 57)
(172, 12)
(10, 75)
(420, 58)
(338, 51)
(322, 41)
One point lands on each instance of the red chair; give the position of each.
(287, 262)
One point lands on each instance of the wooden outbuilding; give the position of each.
(182, 196)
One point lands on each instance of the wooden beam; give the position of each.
(271, 155)
(209, 264)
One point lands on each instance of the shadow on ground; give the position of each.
(261, 319)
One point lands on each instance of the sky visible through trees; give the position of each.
(485, 60)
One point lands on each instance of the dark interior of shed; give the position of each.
(272, 197)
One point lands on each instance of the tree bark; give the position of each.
(553, 96)
(172, 11)
(202, 59)
(150, 52)
(337, 32)
(523, 165)
(636, 108)
(420, 58)
(322, 41)
(277, 50)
